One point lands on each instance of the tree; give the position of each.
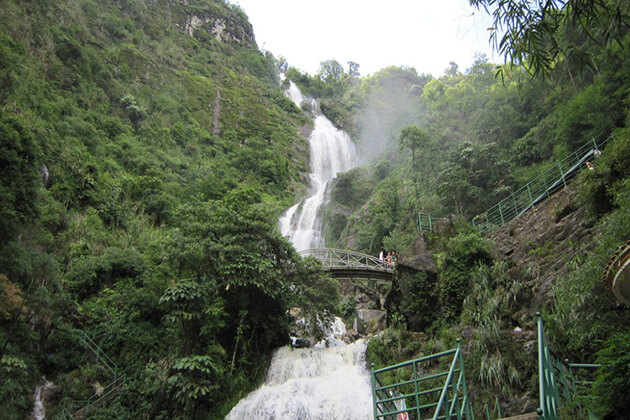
(283, 64)
(19, 177)
(353, 69)
(135, 112)
(531, 29)
(330, 70)
(414, 137)
(452, 69)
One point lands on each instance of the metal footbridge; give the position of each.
(342, 263)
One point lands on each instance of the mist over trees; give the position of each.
(487, 131)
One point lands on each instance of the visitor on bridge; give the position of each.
(381, 255)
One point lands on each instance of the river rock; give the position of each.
(371, 321)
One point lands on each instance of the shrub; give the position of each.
(88, 274)
(418, 303)
(612, 380)
(462, 253)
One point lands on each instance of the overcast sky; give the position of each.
(424, 34)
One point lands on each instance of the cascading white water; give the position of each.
(39, 410)
(331, 152)
(329, 380)
(315, 383)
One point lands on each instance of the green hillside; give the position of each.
(453, 146)
(147, 152)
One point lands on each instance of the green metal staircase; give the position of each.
(557, 379)
(520, 201)
(81, 409)
(427, 388)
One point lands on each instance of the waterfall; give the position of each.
(331, 152)
(329, 380)
(313, 383)
(39, 411)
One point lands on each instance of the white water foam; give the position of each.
(331, 379)
(314, 383)
(331, 152)
(39, 410)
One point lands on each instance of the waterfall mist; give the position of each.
(393, 102)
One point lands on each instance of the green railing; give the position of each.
(419, 389)
(556, 379)
(425, 223)
(532, 193)
(82, 408)
(422, 388)
(101, 356)
(541, 187)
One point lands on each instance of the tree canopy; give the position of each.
(534, 34)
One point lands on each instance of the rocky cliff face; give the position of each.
(227, 23)
(531, 244)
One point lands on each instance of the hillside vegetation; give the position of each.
(147, 152)
(455, 145)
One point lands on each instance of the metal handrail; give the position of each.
(539, 188)
(425, 222)
(95, 399)
(520, 201)
(98, 351)
(453, 399)
(555, 377)
(338, 258)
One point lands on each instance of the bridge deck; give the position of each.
(343, 263)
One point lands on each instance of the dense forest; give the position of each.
(145, 161)
(148, 149)
(455, 145)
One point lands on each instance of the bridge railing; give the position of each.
(338, 258)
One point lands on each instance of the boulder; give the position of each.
(417, 256)
(371, 321)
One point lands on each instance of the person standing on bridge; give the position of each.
(381, 255)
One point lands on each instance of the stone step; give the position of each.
(526, 416)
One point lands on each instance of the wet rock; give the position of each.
(372, 320)
(352, 335)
